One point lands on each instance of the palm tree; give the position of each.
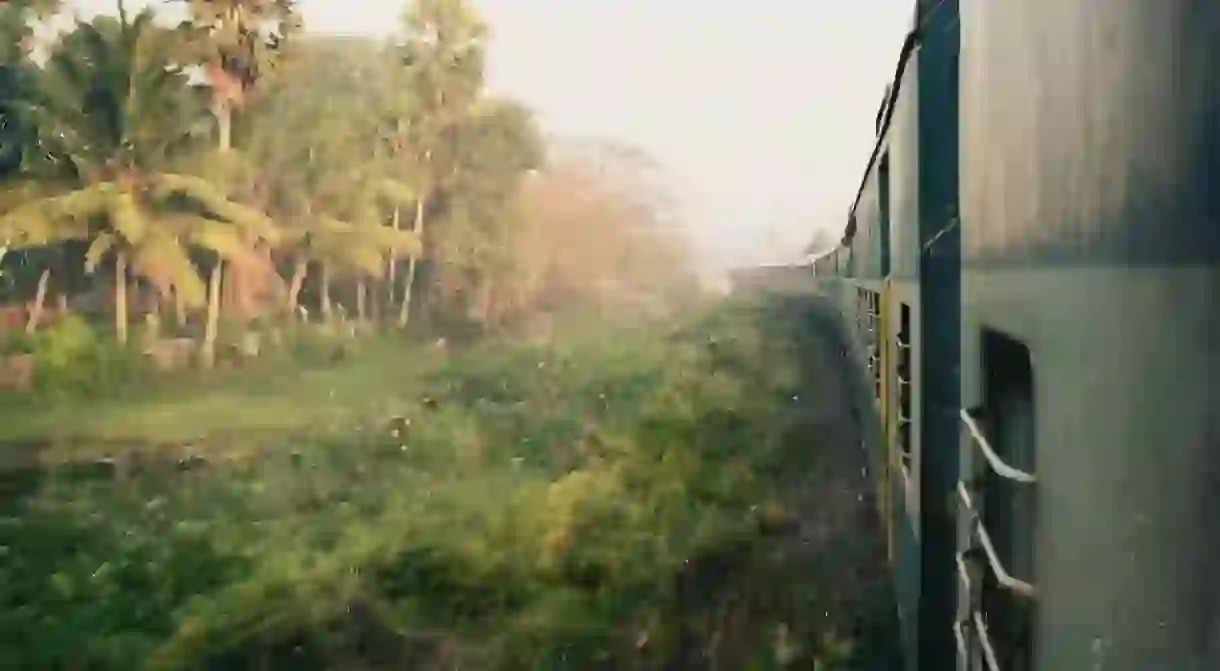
(315, 148)
(112, 110)
(343, 249)
(337, 210)
(238, 42)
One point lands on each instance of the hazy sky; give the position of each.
(761, 113)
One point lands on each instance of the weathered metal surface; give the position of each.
(1126, 381)
(1089, 231)
(866, 243)
(1091, 234)
(903, 142)
(1091, 131)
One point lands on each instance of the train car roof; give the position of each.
(893, 91)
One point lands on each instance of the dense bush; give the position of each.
(71, 359)
(607, 504)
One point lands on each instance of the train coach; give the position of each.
(1031, 273)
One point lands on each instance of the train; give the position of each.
(1030, 277)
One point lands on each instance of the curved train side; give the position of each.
(1031, 271)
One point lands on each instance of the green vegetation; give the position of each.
(621, 500)
(316, 355)
(354, 179)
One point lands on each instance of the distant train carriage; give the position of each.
(1031, 271)
(824, 265)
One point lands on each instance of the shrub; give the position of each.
(17, 342)
(72, 360)
(316, 344)
(604, 504)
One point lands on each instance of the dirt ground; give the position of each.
(839, 536)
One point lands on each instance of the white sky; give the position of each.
(761, 113)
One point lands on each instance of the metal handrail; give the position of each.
(1002, 576)
(963, 651)
(980, 630)
(963, 573)
(993, 560)
(997, 464)
(985, 642)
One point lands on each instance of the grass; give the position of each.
(275, 398)
(616, 501)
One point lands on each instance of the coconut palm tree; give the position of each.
(237, 42)
(314, 145)
(113, 110)
(336, 213)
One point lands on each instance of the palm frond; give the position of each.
(213, 200)
(164, 261)
(46, 220)
(394, 192)
(354, 248)
(224, 240)
(127, 218)
(97, 250)
(358, 259)
(111, 96)
(402, 243)
(228, 171)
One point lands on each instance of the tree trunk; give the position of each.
(179, 309)
(326, 293)
(294, 288)
(207, 353)
(361, 290)
(404, 313)
(376, 308)
(40, 298)
(392, 267)
(486, 301)
(224, 124)
(120, 298)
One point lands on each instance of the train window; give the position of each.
(861, 314)
(871, 337)
(903, 381)
(1008, 506)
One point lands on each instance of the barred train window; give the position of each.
(1008, 507)
(903, 381)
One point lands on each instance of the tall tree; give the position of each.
(112, 109)
(238, 43)
(493, 148)
(443, 54)
(17, 75)
(314, 139)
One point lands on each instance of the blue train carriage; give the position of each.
(877, 291)
(1090, 358)
(1031, 273)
